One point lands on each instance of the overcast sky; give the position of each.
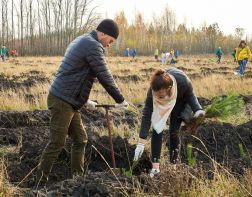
(229, 14)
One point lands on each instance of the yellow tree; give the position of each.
(123, 25)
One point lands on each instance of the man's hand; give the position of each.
(199, 113)
(123, 105)
(139, 149)
(91, 104)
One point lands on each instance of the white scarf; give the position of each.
(162, 108)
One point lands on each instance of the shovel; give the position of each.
(109, 123)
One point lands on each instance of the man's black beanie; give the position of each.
(109, 27)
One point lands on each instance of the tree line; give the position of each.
(46, 27)
(164, 33)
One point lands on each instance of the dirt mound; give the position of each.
(147, 70)
(25, 80)
(185, 69)
(248, 75)
(224, 68)
(30, 142)
(203, 69)
(216, 72)
(28, 132)
(21, 119)
(221, 142)
(16, 119)
(125, 71)
(195, 75)
(92, 184)
(10, 137)
(107, 184)
(128, 78)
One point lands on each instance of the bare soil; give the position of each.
(28, 132)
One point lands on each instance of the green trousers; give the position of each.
(64, 121)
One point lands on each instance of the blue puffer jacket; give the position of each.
(83, 61)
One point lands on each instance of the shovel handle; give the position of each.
(106, 105)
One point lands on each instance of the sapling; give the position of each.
(224, 107)
(129, 172)
(191, 160)
(241, 150)
(221, 108)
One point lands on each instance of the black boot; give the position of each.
(174, 155)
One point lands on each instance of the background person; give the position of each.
(134, 53)
(243, 54)
(218, 54)
(3, 52)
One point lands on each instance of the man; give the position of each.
(134, 52)
(83, 61)
(3, 52)
(127, 52)
(219, 54)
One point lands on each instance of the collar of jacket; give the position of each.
(94, 35)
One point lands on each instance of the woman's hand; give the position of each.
(139, 149)
(199, 113)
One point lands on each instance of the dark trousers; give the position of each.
(219, 58)
(64, 121)
(156, 140)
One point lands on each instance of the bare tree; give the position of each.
(21, 27)
(12, 24)
(4, 21)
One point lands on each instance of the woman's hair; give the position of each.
(242, 41)
(160, 80)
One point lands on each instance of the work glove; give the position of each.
(199, 113)
(91, 104)
(123, 105)
(139, 149)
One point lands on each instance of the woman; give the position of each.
(242, 55)
(169, 93)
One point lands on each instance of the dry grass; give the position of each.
(183, 182)
(215, 85)
(6, 189)
(27, 64)
(123, 68)
(222, 185)
(18, 100)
